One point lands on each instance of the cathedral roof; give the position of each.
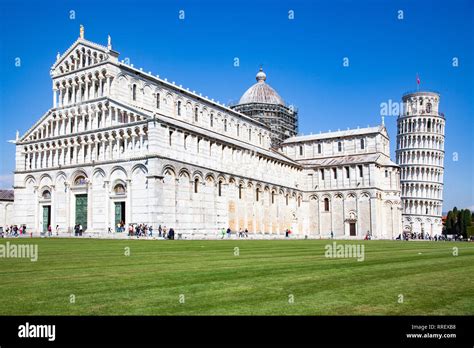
(378, 158)
(261, 92)
(6, 195)
(337, 134)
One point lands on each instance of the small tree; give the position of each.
(466, 221)
(449, 223)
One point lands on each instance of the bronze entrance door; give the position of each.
(81, 211)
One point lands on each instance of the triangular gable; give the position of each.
(79, 43)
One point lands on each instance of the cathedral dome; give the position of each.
(261, 92)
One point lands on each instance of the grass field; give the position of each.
(260, 281)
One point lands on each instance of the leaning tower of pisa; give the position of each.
(420, 154)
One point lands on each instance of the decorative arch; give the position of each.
(139, 167)
(184, 172)
(198, 174)
(30, 179)
(168, 170)
(118, 169)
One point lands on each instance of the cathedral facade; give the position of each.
(123, 145)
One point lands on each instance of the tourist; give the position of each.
(57, 230)
(246, 233)
(171, 234)
(223, 233)
(150, 231)
(80, 230)
(49, 231)
(229, 232)
(160, 230)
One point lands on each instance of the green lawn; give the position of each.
(261, 280)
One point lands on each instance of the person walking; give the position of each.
(80, 230)
(57, 230)
(160, 230)
(229, 232)
(49, 231)
(223, 233)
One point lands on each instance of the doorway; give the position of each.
(352, 228)
(46, 217)
(119, 213)
(81, 211)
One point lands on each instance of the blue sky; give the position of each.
(303, 59)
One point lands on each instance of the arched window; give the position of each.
(196, 114)
(219, 188)
(179, 108)
(225, 125)
(362, 144)
(157, 100)
(238, 130)
(339, 146)
(212, 120)
(196, 185)
(119, 189)
(134, 92)
(428, 108)
(319, 148)
(240, 191)
(326, 204)
(80, 180)
(273, 197)
(257, 194)
(46, 194)
(250, 134)
(301, 150)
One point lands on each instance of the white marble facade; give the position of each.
(122, 144)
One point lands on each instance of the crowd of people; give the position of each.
(420, 236)
(13, 231)
(144, 230)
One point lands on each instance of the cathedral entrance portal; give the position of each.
(352, 228)
(81, 211)
(46, 217)
(119, 213)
